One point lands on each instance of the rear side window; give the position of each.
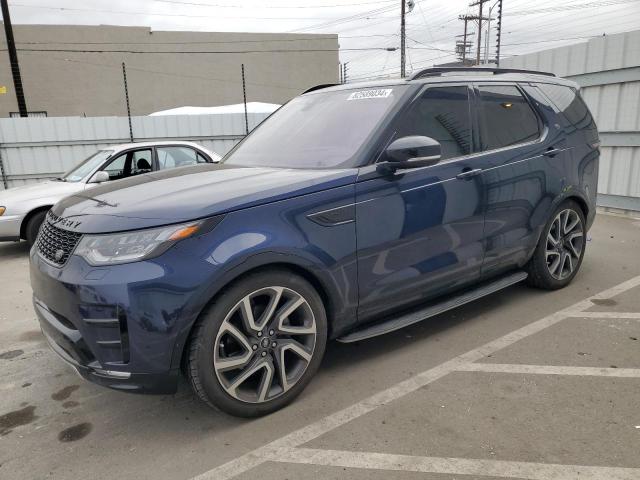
(571, 105)
(506, 118)
(441, 113)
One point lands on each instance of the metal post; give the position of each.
(479, 33)
(486, 40)
(464, 50)
(402, 39)
(499, 33)
(13, 59)
(244, 96)
(344, 72)
(126, 96)
(2, 174)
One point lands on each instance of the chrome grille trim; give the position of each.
(52, 239)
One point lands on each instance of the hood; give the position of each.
(189, 193)
(44, 193)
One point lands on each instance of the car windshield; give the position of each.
(318, 130)
(87, 166)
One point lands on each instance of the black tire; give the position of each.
(33, 227)
(200, 369)
(539, 269)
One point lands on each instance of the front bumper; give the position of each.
(10, 227)
(122, 326)
(71, 347)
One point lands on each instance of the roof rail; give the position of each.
(319, 87)
(435, 71)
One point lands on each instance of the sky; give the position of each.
(366, 27)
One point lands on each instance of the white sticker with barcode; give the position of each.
(374, 93)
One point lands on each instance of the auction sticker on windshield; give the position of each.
(377, 93)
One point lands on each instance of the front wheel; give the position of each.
(560, 250)
(258, 345)
(33, 227)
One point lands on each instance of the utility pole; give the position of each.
(13, 59)
(463, 47)
(499, 33)
(344, 72)
(126, 96)
(402, 38)
(480, 18)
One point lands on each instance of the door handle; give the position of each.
(551, 152)
(469, 173)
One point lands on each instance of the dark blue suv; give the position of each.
(352, 211)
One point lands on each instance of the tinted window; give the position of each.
(129, 164)
(171, 157)
(570, 104)
(506, 118)
(317, 130)
(141, 162)
(441, 113)
(116, 168)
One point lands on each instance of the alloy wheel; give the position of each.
(265, 344)
(565, 242)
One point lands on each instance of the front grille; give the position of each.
(56, 244)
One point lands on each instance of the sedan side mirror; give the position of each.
(100, 177)
(413, 152)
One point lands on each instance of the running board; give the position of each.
(432, 310)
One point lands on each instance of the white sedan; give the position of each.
(22, 209)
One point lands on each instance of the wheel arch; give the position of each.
(29, 216)
(321, 285)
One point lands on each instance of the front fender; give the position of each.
(279, 235)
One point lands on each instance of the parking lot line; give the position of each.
(550, 370)
(452, 466)
(314, 430)
(620, 315)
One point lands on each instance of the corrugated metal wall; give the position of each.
(608, 71)
(33, 149)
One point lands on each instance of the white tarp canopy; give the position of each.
(252, 107)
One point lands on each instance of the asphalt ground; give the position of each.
(520, 384)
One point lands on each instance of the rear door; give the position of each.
(419, 231)
(524, 159)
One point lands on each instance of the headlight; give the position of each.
(2, 210)
(125, 247)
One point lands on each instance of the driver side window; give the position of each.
(128, 164)
(442, 113)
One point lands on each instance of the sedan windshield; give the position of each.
(318, 130)
(87, 166)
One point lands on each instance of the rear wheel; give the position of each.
(33, 227)
(560, 250)
(256, 348)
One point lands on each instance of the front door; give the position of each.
(420, 231)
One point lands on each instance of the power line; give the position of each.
(563, 8)
(287, 7)
(212, 42)
(67, 50)
(156, 14)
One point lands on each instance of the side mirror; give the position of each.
(100, 177)
(413, 152)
